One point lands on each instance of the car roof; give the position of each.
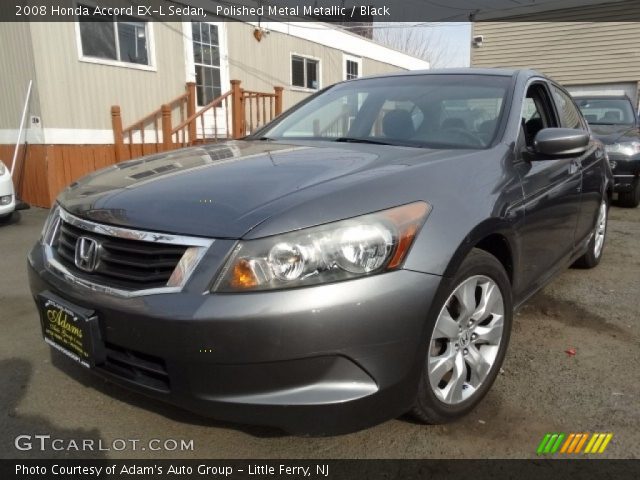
(502, 72)
(601, 96)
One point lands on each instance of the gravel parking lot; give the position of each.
(541, 389)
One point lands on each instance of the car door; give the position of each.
(551, 189)
(591, 165)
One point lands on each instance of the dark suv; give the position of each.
(614, 121)
(359, 257)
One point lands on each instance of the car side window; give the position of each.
(570, 116)
(536, 113)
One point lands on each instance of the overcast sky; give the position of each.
(457, 37)
(447, 44)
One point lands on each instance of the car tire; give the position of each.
(630, 199)
(596, 244)
(471, 349)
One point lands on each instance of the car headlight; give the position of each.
(625, 148)
(343, 250)
(3, 168)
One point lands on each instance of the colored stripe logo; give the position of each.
(574, 443)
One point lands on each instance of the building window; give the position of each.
(352, 70)
(118, 38)
(305, 72)
(206, 59)
(352, 67)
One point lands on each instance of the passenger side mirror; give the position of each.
(558, 142)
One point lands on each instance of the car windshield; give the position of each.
(429, 111)
(606, 111)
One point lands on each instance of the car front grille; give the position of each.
(119, 261)
(123, 263)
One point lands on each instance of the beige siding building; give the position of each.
(81, 69)
(18, 63)
(580, 48)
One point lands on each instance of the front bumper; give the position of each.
(319, 360)
(626, 171)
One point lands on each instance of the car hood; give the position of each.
(225, 190)
(609, 134)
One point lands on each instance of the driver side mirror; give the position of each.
(559, 142)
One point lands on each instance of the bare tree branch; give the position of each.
(415, 40)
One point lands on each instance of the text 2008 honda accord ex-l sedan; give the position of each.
(357, 258)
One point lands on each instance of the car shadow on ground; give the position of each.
(21, 429)
(166, 410)
(12, 219)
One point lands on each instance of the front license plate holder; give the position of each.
(71, 329)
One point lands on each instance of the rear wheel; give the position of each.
(630, 199)
(468, 340)
(596, 244)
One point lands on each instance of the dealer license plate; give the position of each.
(70, 329)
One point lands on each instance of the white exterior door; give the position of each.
(208, 67)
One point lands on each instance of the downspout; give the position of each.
(18, 142)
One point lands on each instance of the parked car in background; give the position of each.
(614, 121)
(7, 194)
(359, 257)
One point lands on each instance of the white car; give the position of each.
(7, 194)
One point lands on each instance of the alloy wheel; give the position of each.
(466, 339)
(601, 230)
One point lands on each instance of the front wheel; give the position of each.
(596, 244)
(468, 340)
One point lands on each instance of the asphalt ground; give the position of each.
(542, 388)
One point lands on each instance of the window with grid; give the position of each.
(206, 58)
(305, 72)
(352, 69)
(118, 38)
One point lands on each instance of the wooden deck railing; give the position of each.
(234, 114)
(259, 108)
(187, 132)
(125, 138)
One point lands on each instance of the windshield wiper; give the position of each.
(362, 140)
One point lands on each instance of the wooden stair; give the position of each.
(238, 111)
